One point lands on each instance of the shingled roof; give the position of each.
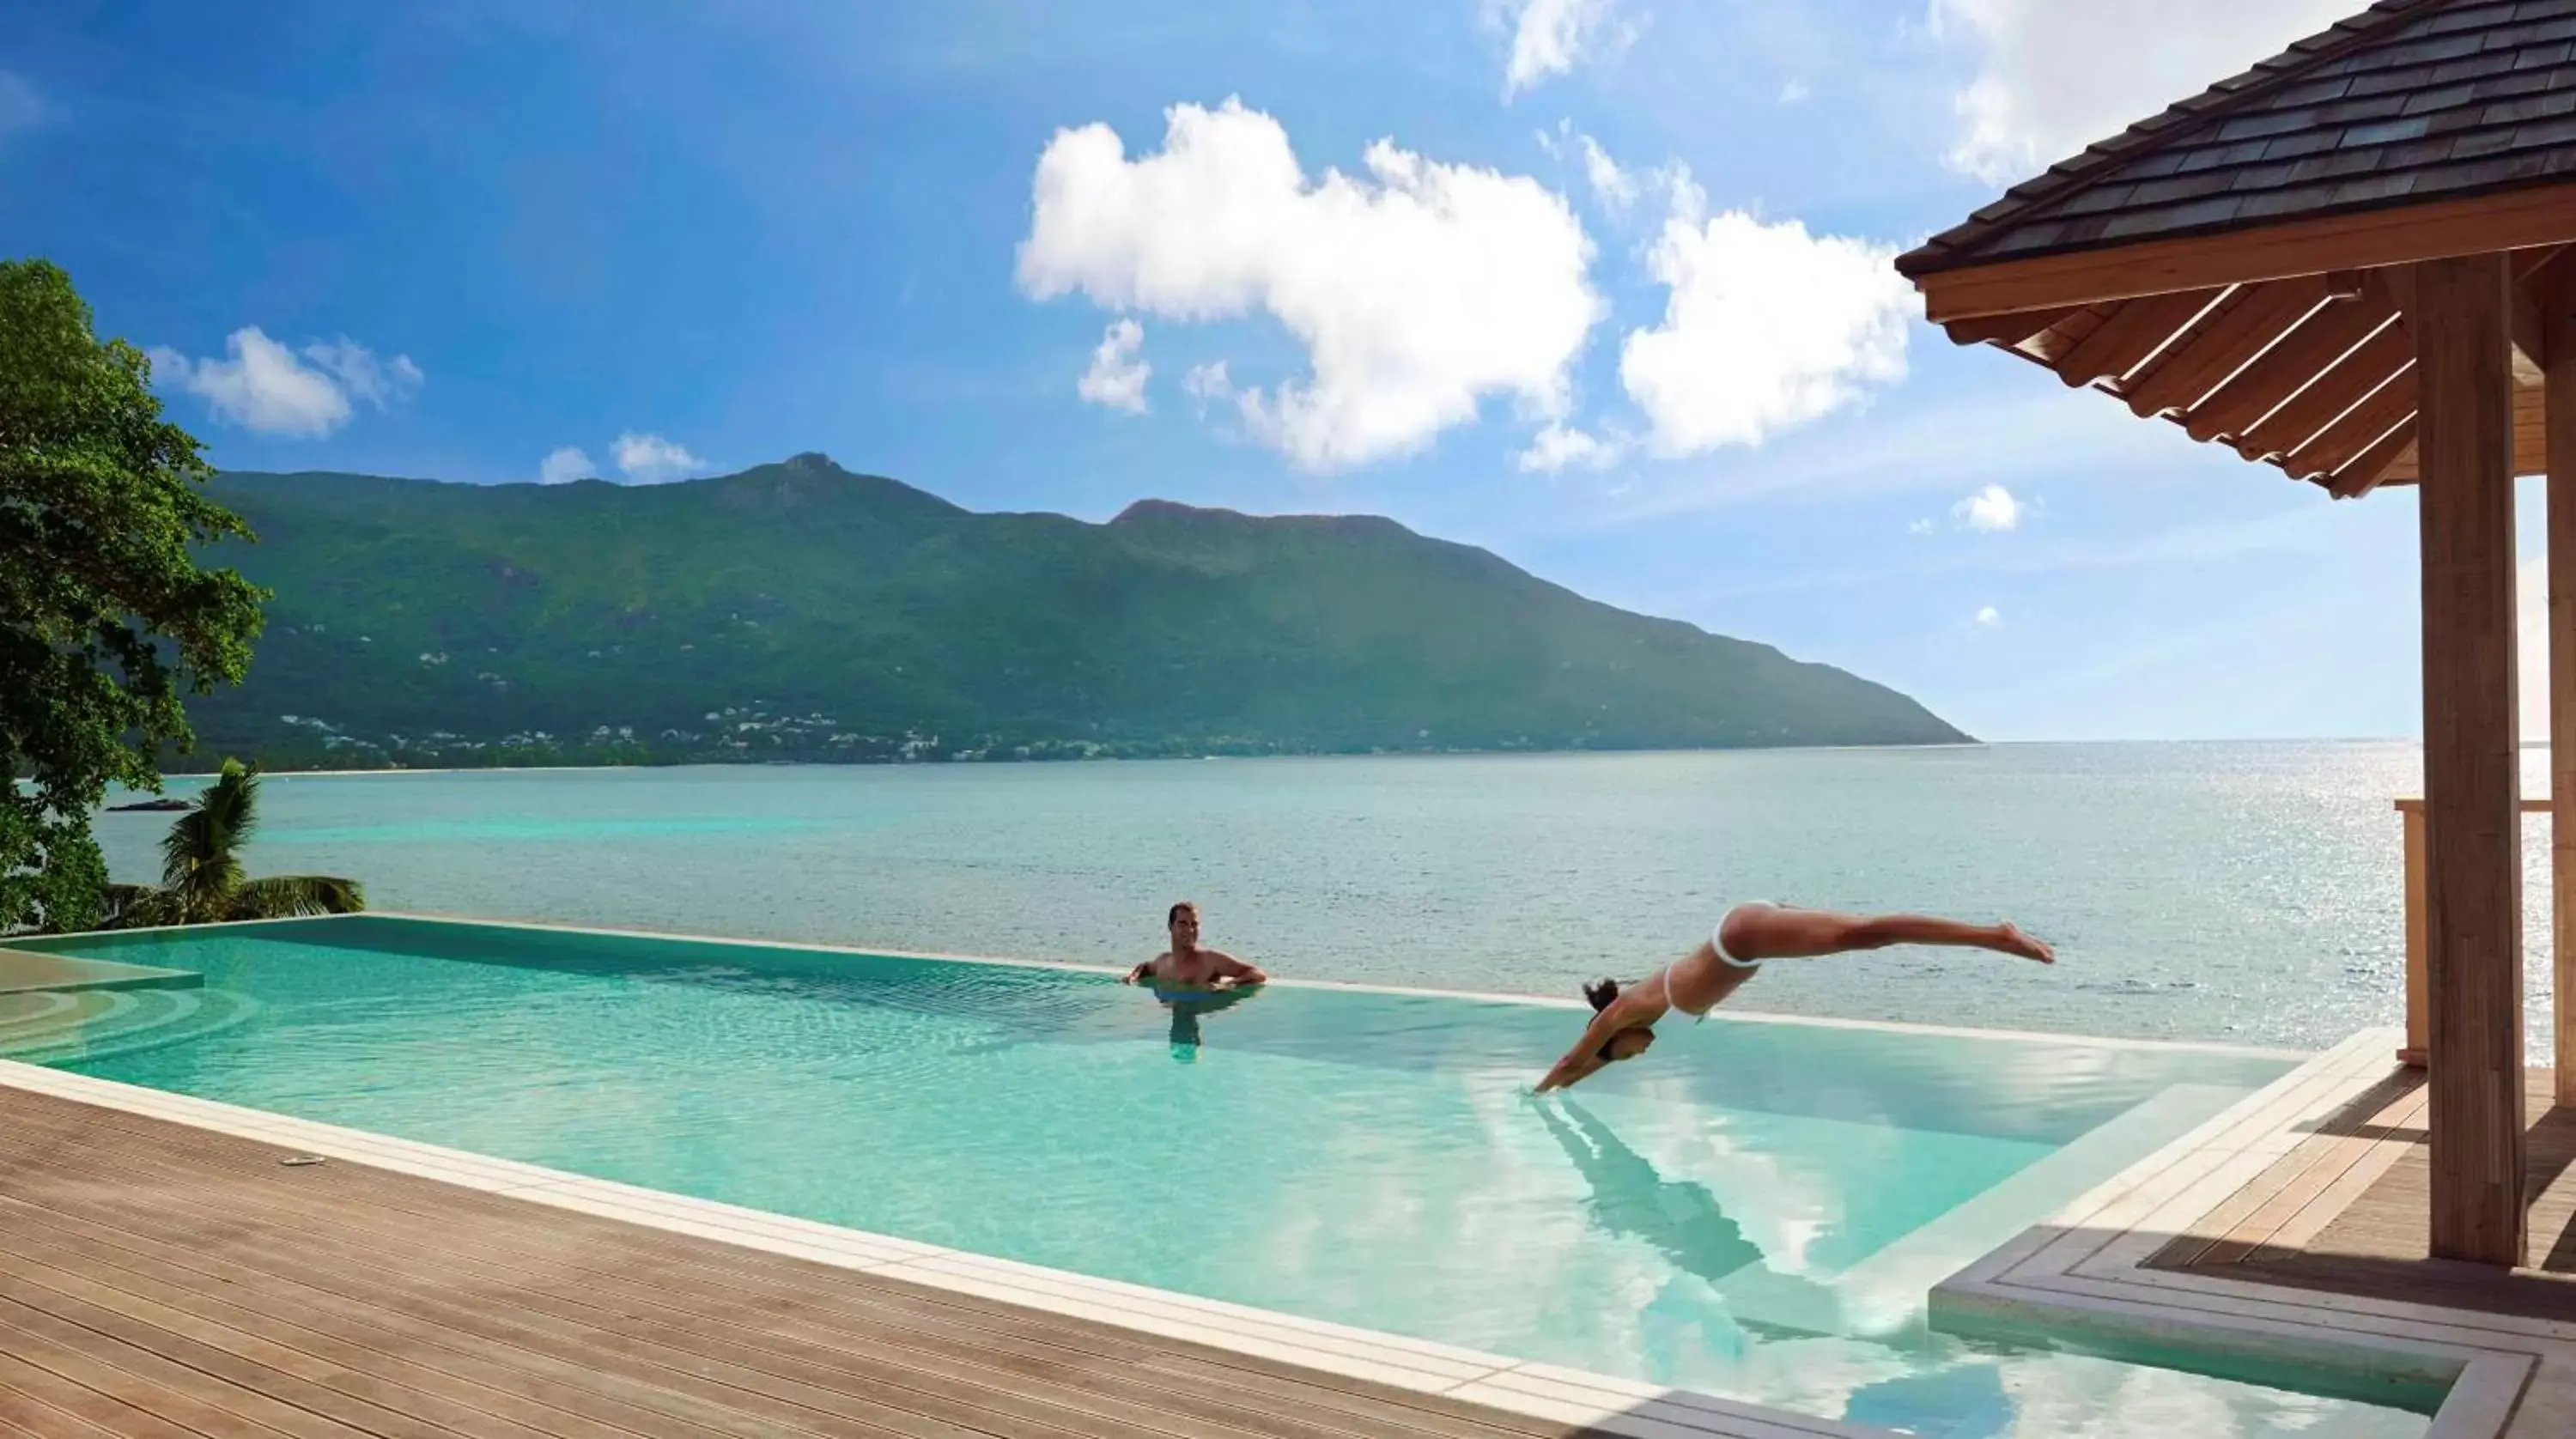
(2408, 102)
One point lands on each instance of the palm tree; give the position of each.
(201, 872)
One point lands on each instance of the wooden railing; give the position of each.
(2417, 917)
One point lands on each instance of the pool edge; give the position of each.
(1536, 1001)
(1526, 1388)
(2083, 1270)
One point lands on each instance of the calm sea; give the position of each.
(2245, 892)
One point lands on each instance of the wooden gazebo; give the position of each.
(2352, 263)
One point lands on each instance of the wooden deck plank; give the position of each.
(167, 1282)
(2365, 1230)
(618, 1273)
(579, 1301)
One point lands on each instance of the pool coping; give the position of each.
(1537, 1001)
(2085, 1269)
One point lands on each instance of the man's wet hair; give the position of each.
(1172, 916)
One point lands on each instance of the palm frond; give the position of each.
(286, 896)
(136, 906)
(201, 861)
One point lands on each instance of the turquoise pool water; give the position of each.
(1755, 1210)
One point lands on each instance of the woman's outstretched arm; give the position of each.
(1628, 1010)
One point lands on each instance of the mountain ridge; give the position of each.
(799, 610)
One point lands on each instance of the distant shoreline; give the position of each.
(1392, 754)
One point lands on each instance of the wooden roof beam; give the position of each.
(2337, 388)
(2134, 332)
(2284, 370)
(2246, 323)
(2535, 274)
(2007, 330)
(2369, 469)
(2357, 428)
(2392, 235)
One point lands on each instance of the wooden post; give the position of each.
(2418, 1014)
(2462, 322)
(2556, 300)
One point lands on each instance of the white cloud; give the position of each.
(1989, 617)
(1550, 37)
(1793, 92)
(2040, 94)
(1990, 509)
(564, 465)
(1118, 372)
(1766, 327)
(1919, 527)
(362, 376)
(1208, 383)
(264, 386)
(1616, 187)
(1417, 290)
(1559, 446)
(652, 460)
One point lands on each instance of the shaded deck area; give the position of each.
(168, 1282)
(2346, 1211)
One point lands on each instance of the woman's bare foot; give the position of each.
(2010, 940)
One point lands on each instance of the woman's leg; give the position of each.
(1758, 932)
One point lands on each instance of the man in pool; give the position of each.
(1623, 1020)
(1186, 966)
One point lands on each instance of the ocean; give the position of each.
(2243, 892)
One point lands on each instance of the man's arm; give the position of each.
(1142, 970)
(1229, 967)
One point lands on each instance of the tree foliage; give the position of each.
(105, 616)
(201, 870)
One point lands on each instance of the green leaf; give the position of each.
(105, 614)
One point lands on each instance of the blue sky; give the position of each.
(1598, 284)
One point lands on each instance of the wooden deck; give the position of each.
(167, 1282)
(2346, 1211)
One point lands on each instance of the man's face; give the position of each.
(1185, 929)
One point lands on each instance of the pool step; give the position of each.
(71, 1027)
(1886, 1292)
(24, 971)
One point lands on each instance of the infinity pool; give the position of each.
(1757, 1209)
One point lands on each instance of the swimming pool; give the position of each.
(1757, 1210)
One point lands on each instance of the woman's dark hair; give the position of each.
(1601, 992)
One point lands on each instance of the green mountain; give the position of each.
(798, 611)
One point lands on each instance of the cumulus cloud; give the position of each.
(564, 465)
(1990, 509)
(1989, 617)
(652, 460)
(1793, 92)
(1919, 527)
(1418, 289)
(1118, 372)
(1550, 37)
(262, 385)
(1559, 446)
(2040, 93)
(1766, 327)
